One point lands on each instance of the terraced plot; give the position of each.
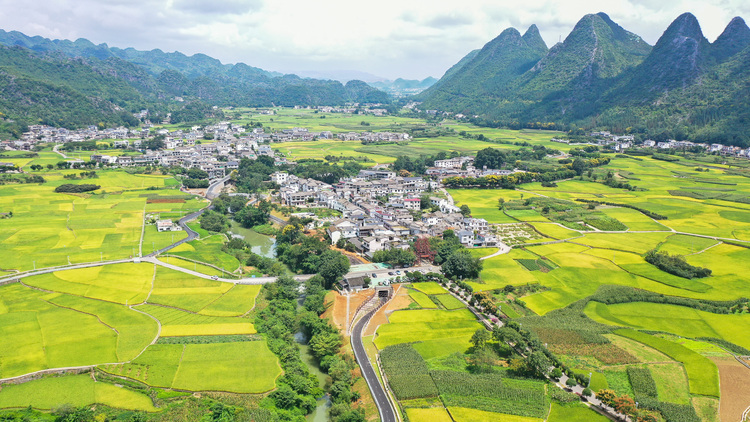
(77, 390)
(241, 367)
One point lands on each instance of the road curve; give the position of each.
(387, 414)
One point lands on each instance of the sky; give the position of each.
(411, 39)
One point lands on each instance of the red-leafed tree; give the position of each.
(423, 250)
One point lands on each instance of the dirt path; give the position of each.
(734, 379)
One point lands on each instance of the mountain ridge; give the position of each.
(603, 76)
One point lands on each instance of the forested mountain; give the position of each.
(603, 76)
(485, 77)
(77, 83)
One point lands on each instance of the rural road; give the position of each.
(387, 414)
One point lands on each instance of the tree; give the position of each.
(578, 165)
(606, 396)
(570, 382)
(500, 203)
(213, 221)
(506, 335)
(480, 338)
(465, 210)
(539, 363)
(461, 264)
(333, 265)
(324, 344)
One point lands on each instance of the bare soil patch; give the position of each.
(337, 311)
(400, 300)
(734, 379)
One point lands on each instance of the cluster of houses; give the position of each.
(381, 210)
(462, 167)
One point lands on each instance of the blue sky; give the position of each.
(389, 38)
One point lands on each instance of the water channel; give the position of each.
(260, 244)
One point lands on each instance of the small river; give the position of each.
(260, 244)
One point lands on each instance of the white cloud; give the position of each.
(392, 38)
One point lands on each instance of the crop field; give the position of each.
(680, 320)
(42, 330)
(483, 203)
(434, 414)
(671, 383)
(573, 413)
(154, 240)
(463, 414)
(429, 288)
(422, 300)
(702, 374)
(176, 322)
(191, 265)
(441, 332)
(76, 390)
(49, 229)
(449, 302)
(208, 249)
(119, 283)
(240, 367)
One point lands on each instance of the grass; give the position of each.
(240, 367)
(76, 390)
(703, 377)
(462, 414)
(429, 288)
(573, 412)
(679, 320)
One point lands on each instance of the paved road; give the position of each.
(387, 414)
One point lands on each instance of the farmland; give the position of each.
(79, 318)
(163, 329)
(103, 225)
(77, 390)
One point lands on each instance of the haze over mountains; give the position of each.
(77, 83)
(603, 76)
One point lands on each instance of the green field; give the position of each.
(208, 249)
(680, 320)
(449, 302)
(573, 413)
(241, 367)
(76, 390)
(176, 322)
(439, 332)
(422, 300)
(434, 414)
(49, 229)
(119, 283)
(47, 330)
(429, 288)
(462, 414)
(703, 377)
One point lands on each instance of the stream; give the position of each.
(260, 244)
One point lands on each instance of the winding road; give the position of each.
(387, 413)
